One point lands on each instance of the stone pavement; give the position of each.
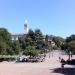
(41, 68)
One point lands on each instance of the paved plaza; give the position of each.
(50, 66)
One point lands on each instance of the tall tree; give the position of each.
(70, 38)
(71, 46)
(30, 50)
(58, 41)
(16, 47)
(5, 40)
(39, 38)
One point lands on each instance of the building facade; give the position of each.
(15, 36)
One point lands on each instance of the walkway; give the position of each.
(48, 67)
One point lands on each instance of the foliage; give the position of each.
(69, 43)
(70, 38)
(31, 44)
(16, 47)
(7, 58)
(38, 39)
(64, 46)
(5, 41)
(58, 41)
(71, 46)
(32, 39)
(30, 50)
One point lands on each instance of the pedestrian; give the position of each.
(62, 63)
(59, 59)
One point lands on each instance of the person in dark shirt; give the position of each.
(62, 63)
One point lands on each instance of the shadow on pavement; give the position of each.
(65, 71)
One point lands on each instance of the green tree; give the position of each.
(69, 42)
(3, 48)
(5, 35)
(16, 47)
(58, 41)
(30, 50)
(71, 46)
(5, 40)
(39, 39)
(70, 38)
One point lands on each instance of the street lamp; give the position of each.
(49, 44)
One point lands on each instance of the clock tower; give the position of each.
(26, 28)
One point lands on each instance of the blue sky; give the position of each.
(54, 17)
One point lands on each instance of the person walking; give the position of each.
(62, 63)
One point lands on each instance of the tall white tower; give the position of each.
(26, 28)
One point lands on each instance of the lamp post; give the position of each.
(44, 47)
(69, 53)
(49, 49)
(49, 44)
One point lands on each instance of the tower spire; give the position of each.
(26, 28)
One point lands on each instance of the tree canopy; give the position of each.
(32, 43)
(5, 41)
